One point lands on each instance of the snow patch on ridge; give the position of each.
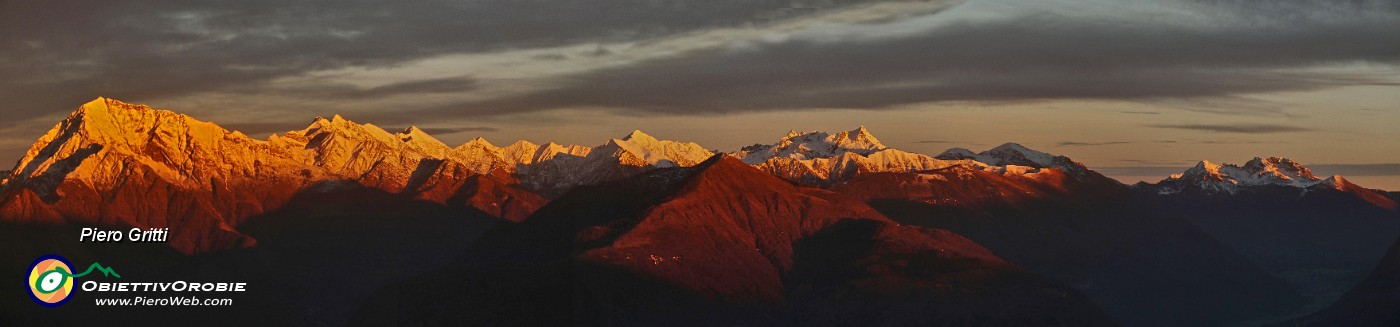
(822, 158)
(1212, 177)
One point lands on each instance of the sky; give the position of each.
(1135, 88)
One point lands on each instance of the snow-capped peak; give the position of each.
(110, 121)
(334, 124)
(478, 142)
(1011, 151)
(1228, 178)
(1014, 154)
(639, 136)
(520, 152)
(813, 145)
(413, 133)
(1007, 154)
(1281, 167)
(419, 140)
(1336, 182)
(819, 158)
(481, 153)
(858, 139)
(549, 150)
(640, 149)
(1202, 168)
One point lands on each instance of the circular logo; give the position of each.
(51, 280)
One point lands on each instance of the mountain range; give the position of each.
(815, 228)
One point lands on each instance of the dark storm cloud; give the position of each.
(56, 54)
(1218, 50)
(1236, 128)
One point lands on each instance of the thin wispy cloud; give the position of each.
(1383, 169)
(1155, 161)
(1237, 128)
(1209, 142)
(1073, 143)
(941, 142)
(453, 130)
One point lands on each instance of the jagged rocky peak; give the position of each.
(523, 144)
(639, 136)
(419, 140)
(1262, 174)
(520, 152)
(1336, 182)
(339, 140)
(1272, 170)
(1012, 154)
(171, 144)
(813, 145)
(104, 119)
(478, 142)
(1204, 168)
(341, 132)
(821, 159)
(550, 150)
(127, 165)
(1282, 167)
(858, 139)
(112, 163)
(413, 133)
(639, 149)
(110, 111)
(321, 124)
(1213, 177)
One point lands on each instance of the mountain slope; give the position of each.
(103, 164)
(821, 159)
(1088, 232)
(1012, 154)
(1321, 235)
(1373, 302)
(121, 165)
(724, 243)
(1212, 178)
(564, 168)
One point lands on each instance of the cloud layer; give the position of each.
(265, 66)
(1237, 128)
(72, 51)
(1180, 50)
